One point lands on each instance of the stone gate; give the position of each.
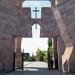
(57, 22)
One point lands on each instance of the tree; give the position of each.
(41, 55)
(49, 42)
(33, 57)
(50, 52)
(50, 47)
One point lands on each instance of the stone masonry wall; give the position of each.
(66, 9)
(58, 21)
(8, 25)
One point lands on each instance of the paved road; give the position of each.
(36, 64)
(36, 68)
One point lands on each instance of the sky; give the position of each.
(30, 45)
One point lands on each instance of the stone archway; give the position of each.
(18, 21)
(64, 41)
(47, 29)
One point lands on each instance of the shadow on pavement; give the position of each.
(35, 71)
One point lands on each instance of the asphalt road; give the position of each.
(36, 68)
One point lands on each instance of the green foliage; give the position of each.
(49, 42)
(33, 57)
(30, 59)
(45, 57)
(41, 55)
(50, 47)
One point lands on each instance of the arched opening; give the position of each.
(36, 30)
(36, 50)
(36, 14)
(25, 57)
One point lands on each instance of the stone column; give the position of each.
(6, 53)
(55, 53)
(18, 56)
